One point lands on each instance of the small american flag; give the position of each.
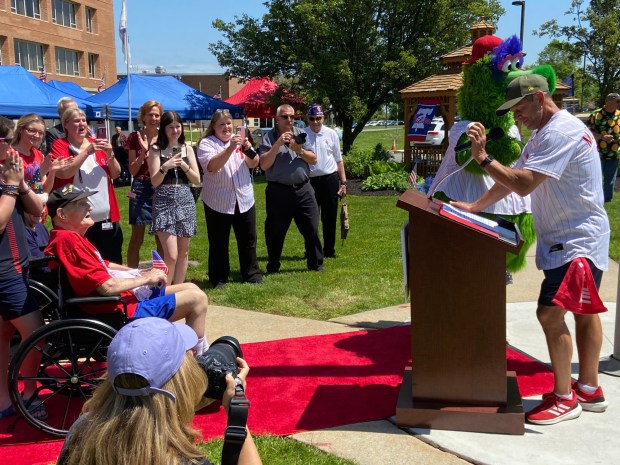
(158, 262)
(101, 83)
(43, 75)
(218, 95)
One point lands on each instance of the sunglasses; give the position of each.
(8, 140)
(315, 118)
(287, 116)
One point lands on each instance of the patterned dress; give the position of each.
(174, 207)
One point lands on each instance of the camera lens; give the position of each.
(217, 362)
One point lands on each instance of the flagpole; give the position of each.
(130, 124)
(122, 30)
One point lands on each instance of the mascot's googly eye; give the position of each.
(511, 62)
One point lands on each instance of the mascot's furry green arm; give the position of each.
(485, 76)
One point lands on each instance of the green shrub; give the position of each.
(358, 162)
(380, 167)
(394, 180)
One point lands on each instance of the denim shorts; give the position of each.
(553, 280)
(16, 300)
(158, 305)
(140, 206)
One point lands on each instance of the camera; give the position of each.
(300, 138)
(176, 149)
(217, 362)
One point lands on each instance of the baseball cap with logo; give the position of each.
(152, 348)
(613, 96)
(315, 110)
(64, 195)
(520, 87)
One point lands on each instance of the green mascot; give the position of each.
(485, 77)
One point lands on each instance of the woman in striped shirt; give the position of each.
(228, 196)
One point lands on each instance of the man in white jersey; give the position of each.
(560, 169)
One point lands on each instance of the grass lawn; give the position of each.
(385, 135)
(275, 450)
(366, 275)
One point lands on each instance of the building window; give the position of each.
(63, 13)
(30, 8)
(92, 65)
(67, 62)
(29, 55)
(90, 20)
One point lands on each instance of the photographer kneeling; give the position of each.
(143, 410)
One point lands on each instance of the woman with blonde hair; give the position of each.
(91, 166)
(39, 171)
(227, 157)
(142, 411)
(141, 194)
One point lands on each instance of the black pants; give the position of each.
(218, 231)
(109, 242)
(326, 192)
(283, 204)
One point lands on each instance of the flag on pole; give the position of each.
(101, 83)
(122, 33)
(218, 95)
(158, 262)
(43, 75)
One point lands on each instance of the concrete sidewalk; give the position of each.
(586, 440)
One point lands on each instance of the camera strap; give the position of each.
(236, 431)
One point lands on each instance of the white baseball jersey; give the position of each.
(569, 217)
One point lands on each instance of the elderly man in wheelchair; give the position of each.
(89, 275)
(95, 299)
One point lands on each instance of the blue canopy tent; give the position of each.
(70, 88)
(169, 91)
(22, 93)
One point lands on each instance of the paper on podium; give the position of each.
(476, 219)
(479, 223)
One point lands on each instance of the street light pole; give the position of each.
(521, 3)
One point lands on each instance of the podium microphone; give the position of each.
(494, 134)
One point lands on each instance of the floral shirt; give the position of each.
(603, 122)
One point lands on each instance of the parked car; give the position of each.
(435, 133)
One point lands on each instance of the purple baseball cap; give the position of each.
(152, 348)
(315, 110)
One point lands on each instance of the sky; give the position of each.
(176, 35)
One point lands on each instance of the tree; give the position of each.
(567, 61)
(595, 36)
(352, 55)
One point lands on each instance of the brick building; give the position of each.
(72, 41)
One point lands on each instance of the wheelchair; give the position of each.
(71, 350)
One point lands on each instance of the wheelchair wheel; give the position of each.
(71, 357)
(48, 306)
(47, 300)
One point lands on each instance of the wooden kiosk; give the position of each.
(458, 325)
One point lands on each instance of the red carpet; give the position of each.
(303, 384)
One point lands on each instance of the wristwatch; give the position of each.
(486, 161)
(162, 171)
(301, 152)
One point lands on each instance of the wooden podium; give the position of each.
(458, 380)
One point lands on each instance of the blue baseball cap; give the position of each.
(315, 110)
(152, 348)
